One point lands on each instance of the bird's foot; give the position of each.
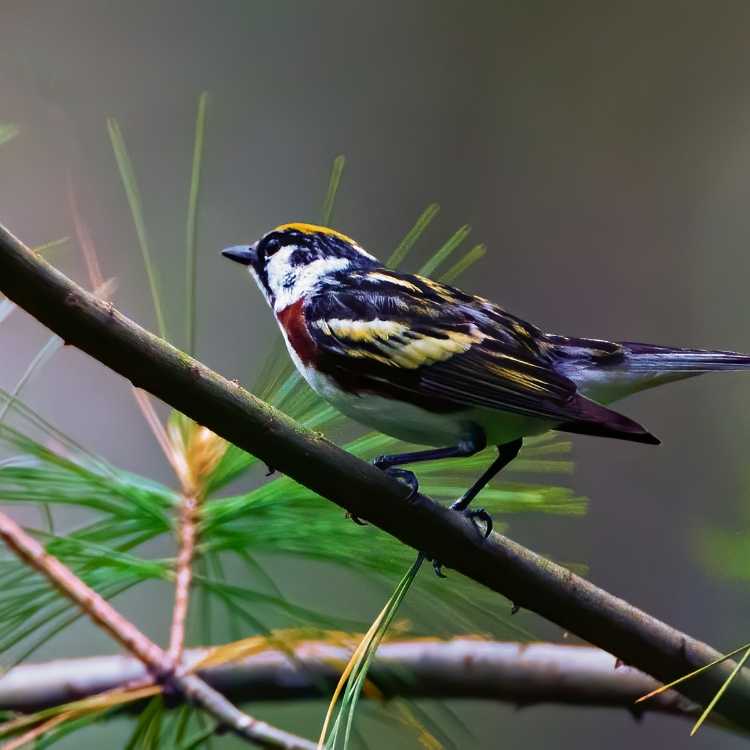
(479, 514)
(409, 478)
(475, 514)
(482, 515)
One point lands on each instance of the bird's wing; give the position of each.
(411, 338)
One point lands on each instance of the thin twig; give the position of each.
(157, 429)
(188, 536)
(94, 605)
(130, 691)
(192, 219)
(196, 453)
(32, 734)
(258, 732)
(152, 656)
(523, 674)
(524, 577)
(83, 235)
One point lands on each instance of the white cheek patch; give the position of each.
(278, 270)
(289, 284)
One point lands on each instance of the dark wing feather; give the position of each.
(430, 344)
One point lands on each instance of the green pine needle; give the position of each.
(69, 727)
(42, 249)
(127, 175)
(333, 187)
(148, 726)
(445, 251)
(200, 738)
(696, 672)
(476, 253)
(720, 692)
(181, 723)
(404, 247)
(191, 222)
(54, 343)
(358, 667)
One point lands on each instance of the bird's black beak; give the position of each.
(244, 254)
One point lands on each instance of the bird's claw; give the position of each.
(409, 478)
(472, 514)
(478, 513)
(482, 515)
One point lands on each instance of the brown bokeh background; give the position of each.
(600, 149)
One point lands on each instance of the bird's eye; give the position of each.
(271, 246)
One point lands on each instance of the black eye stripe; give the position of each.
(271, 246)
(307, 247)
(272, 243)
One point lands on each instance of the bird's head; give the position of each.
(291, 260)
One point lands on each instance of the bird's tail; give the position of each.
(647, 358)
(606, 371)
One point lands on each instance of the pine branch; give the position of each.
(518, 673)
(98, 609)
(525, 578)
(157, 662)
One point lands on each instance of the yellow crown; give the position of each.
(315, 229)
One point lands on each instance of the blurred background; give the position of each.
(600, 150)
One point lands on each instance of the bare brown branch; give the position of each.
(518, 673)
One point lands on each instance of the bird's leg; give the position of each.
(389, 464)
(505, 454)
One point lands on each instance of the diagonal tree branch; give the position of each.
(527, 579)
(519, 673)
(155, 660)
(95, 606)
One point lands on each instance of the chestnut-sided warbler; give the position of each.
(430, 364)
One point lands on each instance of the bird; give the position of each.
(433, 365)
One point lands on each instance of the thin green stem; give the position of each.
(720, 692)
(333, 187)
(475, 254)
(446, 250)
(127, 175)
(192, 219)
(411, 237)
